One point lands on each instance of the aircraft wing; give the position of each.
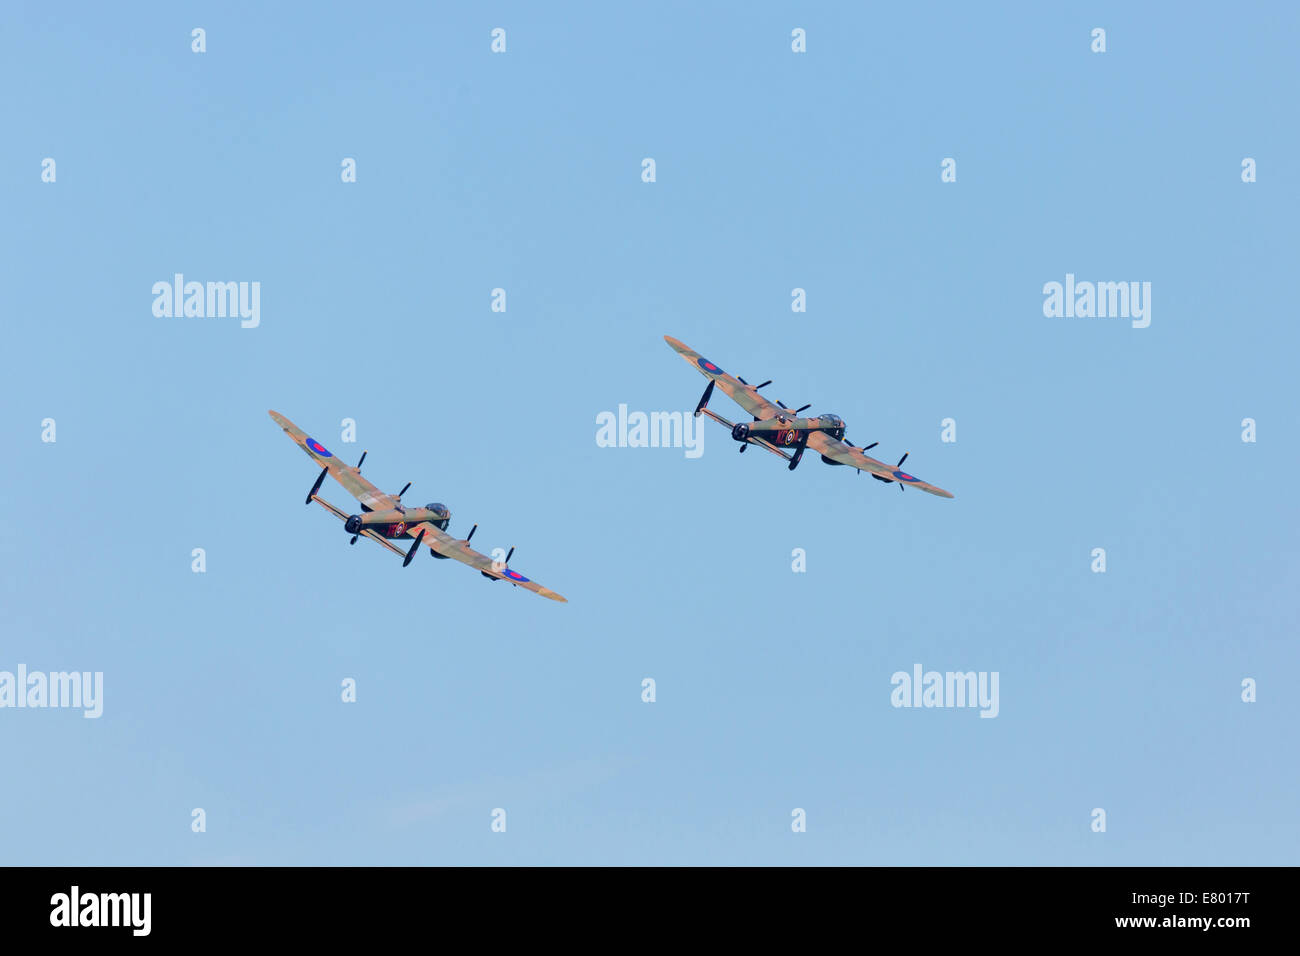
(449, 547)
(848, 455)
(343, 516)
(347, 476)
(746, 396)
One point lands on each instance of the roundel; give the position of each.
(318, 448)
(904, 476)
(513, 575)
(708, 366)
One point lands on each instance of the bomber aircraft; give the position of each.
(383, 518)
(776, 427)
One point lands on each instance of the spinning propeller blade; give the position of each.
(414, 547)
(704, 399)
(316, 487)
(864, 451)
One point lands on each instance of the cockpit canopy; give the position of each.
(443, 511)
(833, 420)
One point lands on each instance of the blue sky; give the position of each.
(774, 171)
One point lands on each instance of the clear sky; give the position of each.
(774, 171)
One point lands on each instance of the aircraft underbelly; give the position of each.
(396, 530)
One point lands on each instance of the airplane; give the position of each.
(776, 427)
(384, 518)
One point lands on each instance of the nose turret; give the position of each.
(443, 512)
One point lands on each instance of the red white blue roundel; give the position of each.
(708, 366)
(513, 575)
(318, 448)
(904, 476)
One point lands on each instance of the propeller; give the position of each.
(363, 458)
(754, 387)
(704, 399)
(803, 408)
(414, 548)
(316, 487)
(403, 491)
(499, 566)
(471, 533)
(899, 465)
(744, 445)
(864, 449)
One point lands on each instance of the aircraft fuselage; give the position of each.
(396, 522)
(790, 431)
